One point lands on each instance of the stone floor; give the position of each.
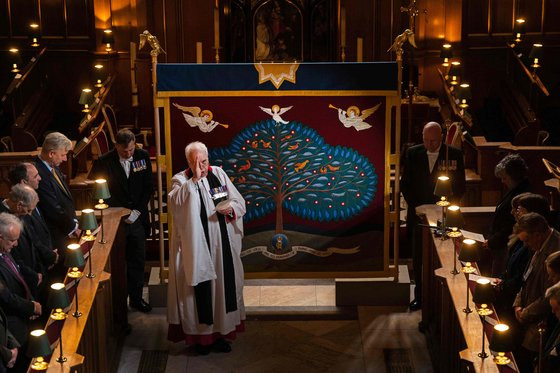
(353, 344)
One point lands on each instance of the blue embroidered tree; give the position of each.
(290, 166)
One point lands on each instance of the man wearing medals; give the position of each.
(128, 173)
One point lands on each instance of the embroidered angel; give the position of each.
(199, 118)
(275, 111)
(352, 118)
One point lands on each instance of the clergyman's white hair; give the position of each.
(195, 145)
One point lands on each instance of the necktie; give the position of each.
(126, 166)
(14, 270)
(55, 174)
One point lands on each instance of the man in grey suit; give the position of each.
(530, 305)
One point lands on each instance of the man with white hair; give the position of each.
(55, 200)
(205, 293)
(34, 254)
(422, 165)
(26, 173)
(16, 298)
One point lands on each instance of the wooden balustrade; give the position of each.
(454, 337)
(91, 342)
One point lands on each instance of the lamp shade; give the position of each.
(443, 187)
(58, 297)
(501, 340)
(454, 217)
(74, 256)
(38, 344)
(446, 51)
(470, 251)
(101, 189)
(484, 292)
(108, 37)
(536, 51)
(455, 69)
(86, 97)
(88, 220)
(464, 92)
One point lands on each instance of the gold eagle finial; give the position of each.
(152, 40)
(400, 40)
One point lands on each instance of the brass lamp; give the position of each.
(98, 75)
(15, 60)
(518, 29)
(446, 54)
(108, 39)
(483, 295)
(501, 342)
(463, 94)
(469, 253)
(34, 34)
(75, 260)
(37, 348)
(58, 301)
(455, 221)
(454, 73)
(88, 222)
(86, 99)
(536, 55)
(101, 193)
(443, 190)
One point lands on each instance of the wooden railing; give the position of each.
(91, 343)
(29, 104)
(454, 338)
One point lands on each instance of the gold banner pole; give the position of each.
(156, 50)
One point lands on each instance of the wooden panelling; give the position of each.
(476, 17)
(551, 16)
(23, 12)
(501, 16)
(52, 18)
(531, 10)
(4, 19)
(78, 18)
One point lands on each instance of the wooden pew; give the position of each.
(454, 338)
(91, 343)
(490, 153)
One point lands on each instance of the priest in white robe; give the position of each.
(205, 292)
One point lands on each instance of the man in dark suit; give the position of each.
(422, 165)
(15, 298)
(8, 344)
(551, 354)
(26, 173)
(128, 173)
(21, 201)
(55, 200)
(512, 171)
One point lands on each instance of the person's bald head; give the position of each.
(431, 136)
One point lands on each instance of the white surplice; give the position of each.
(190, 260)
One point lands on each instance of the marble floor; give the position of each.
(280, 344)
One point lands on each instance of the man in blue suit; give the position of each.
(55, 200)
